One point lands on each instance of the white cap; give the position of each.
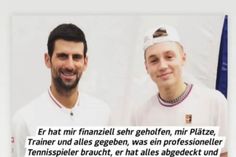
(162, 33)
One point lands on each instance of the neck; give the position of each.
(66, 98)
(172, 92)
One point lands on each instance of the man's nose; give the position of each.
(69, 63)
(163, 64)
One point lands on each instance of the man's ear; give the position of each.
(85, 63)
(184, 57)
(47, 60)
(145, 62)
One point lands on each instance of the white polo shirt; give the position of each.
(47, 111)
(206, 107)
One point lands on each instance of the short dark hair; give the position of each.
(68, 32)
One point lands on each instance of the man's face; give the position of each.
(67, 64)
(164, 63)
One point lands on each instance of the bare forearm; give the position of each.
(225, 154)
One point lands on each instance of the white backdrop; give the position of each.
(116, 71)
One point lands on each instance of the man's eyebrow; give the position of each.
(169, 51)
(61, 53)
(152, 56)
(77, 54)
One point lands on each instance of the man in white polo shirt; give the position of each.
(63, 104)
(177, 103)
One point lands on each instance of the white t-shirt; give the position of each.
(47, 111)
(206, 107)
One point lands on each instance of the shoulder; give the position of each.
(147, 105)
(203, 90)
(150, 102)
(212, 95)
(141, 110)
(31, 108)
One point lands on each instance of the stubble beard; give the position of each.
(65, 88)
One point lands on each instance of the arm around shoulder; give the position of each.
(19, 134)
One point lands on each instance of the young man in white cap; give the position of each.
(63, 104)
(177, 103)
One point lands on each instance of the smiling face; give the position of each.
(67, 64)
(164, 63)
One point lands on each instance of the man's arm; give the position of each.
(222, 121)
(225, 154)
(19, 134)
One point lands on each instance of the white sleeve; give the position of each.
(19, 134)
(222, 118)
